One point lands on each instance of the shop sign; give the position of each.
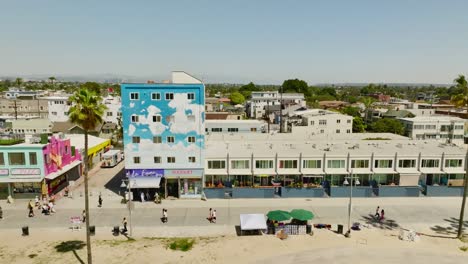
(25, 171)
(144, 173)
(3, 172)
(182, 173)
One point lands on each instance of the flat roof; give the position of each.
(432, 118)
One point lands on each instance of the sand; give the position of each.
(363, 247)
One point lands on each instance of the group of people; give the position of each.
(47, 207)
(379, 214)
(212, 216)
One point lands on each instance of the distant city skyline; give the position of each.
(264, 42)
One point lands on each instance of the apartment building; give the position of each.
(235, 126)
(438, 128)
(260, 101)
(164, 136)
(318, 121)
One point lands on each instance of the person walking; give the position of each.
(164, 215)
(1, 213)
(31, 209)
(100, 201)
(213, 217)
(377, 215)
(83, 216)
(382, 215)
(142, 195)
(124, 223)
(210, 215)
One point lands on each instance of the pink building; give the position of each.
(61, 164)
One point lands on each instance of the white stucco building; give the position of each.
(58, 106)
(260, 100)
(318, 121)
(235, 126)
(113, 111)
(445, 129)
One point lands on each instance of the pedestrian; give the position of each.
(210, 215)
(30, 208)
(100, 201)
(142, 195)
(164, 215)
(382, 214)
(1, 213)
(51, 207)
(83, 216)
(213, 217)
(124, 223)
(377, 215)
(36, 202)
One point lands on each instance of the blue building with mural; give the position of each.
(164, 138)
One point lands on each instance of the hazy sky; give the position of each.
(238, 41)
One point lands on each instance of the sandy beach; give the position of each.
(363, 247)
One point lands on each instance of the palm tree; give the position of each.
(461, 100)
(19, 81)
(52, 79)
(86, 111)
(368, 105)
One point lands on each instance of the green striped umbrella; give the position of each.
(278, 215)
(301, 214)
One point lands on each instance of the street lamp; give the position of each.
(356, 182)
(129, 187)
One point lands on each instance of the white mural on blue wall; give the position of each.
(178, 121)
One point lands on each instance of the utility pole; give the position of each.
(16, 111)
(281, 110)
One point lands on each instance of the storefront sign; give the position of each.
(184, 173)
(145, 173)
(25, 171)
(3, 172)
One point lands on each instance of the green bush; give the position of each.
(182, 244)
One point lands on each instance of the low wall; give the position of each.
(253, 192)
(344, 191)
(216, 193)
(399, 191)
(444, 191)
(287, 192)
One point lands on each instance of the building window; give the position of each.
(216, 129)
(170, 139)
(337, 131)
(430, 126)
(155, 96)
(322, 131)
(191, 139)
(458, 127)
(348, 121)
(119, 113)
(2, 159)
(430, 163)
(109, 113)
(338, 121)
(264, 164)
(312, 122)
(239, 164)
(418, 127)
(135, 139)
(453, 163)
(136, 160)
(357, 164)
(216, 164)
(311, 164)
(170, 159)
(322, 122)
(32, 158)
(157, 159)
(134, 96)
(335, 164)
(253, 129)
(135, 119)
(383, 164)
(233, 129)
(157, 118)
(157, 140)
(288, 164)
(191, 159)
(191, 118)
(169, 96)
(54, 113)
(348, 131)
(16, 158)
(407, 163)
(191, 96)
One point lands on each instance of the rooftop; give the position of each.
(433, 118)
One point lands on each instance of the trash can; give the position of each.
(92, 230)
(308, 229)
(25, 231)
(340, 229)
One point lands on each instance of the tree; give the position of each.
(358, 125)
(246, 90)
(461, 100)
(86, 111)
(92, 87)
(19, 81)
(368, 105)
(296, 86)
(237, 98)
(351, 110)
(387, 125)
(52, 79)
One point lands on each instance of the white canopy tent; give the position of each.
(252, 222)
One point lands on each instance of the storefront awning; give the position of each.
(432, 171)
(145, 182)
(65, 169)
(336, 171)
(312, 176)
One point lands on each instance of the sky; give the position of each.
(330, 41)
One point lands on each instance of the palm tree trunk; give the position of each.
(465, 193)
(88, 238)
